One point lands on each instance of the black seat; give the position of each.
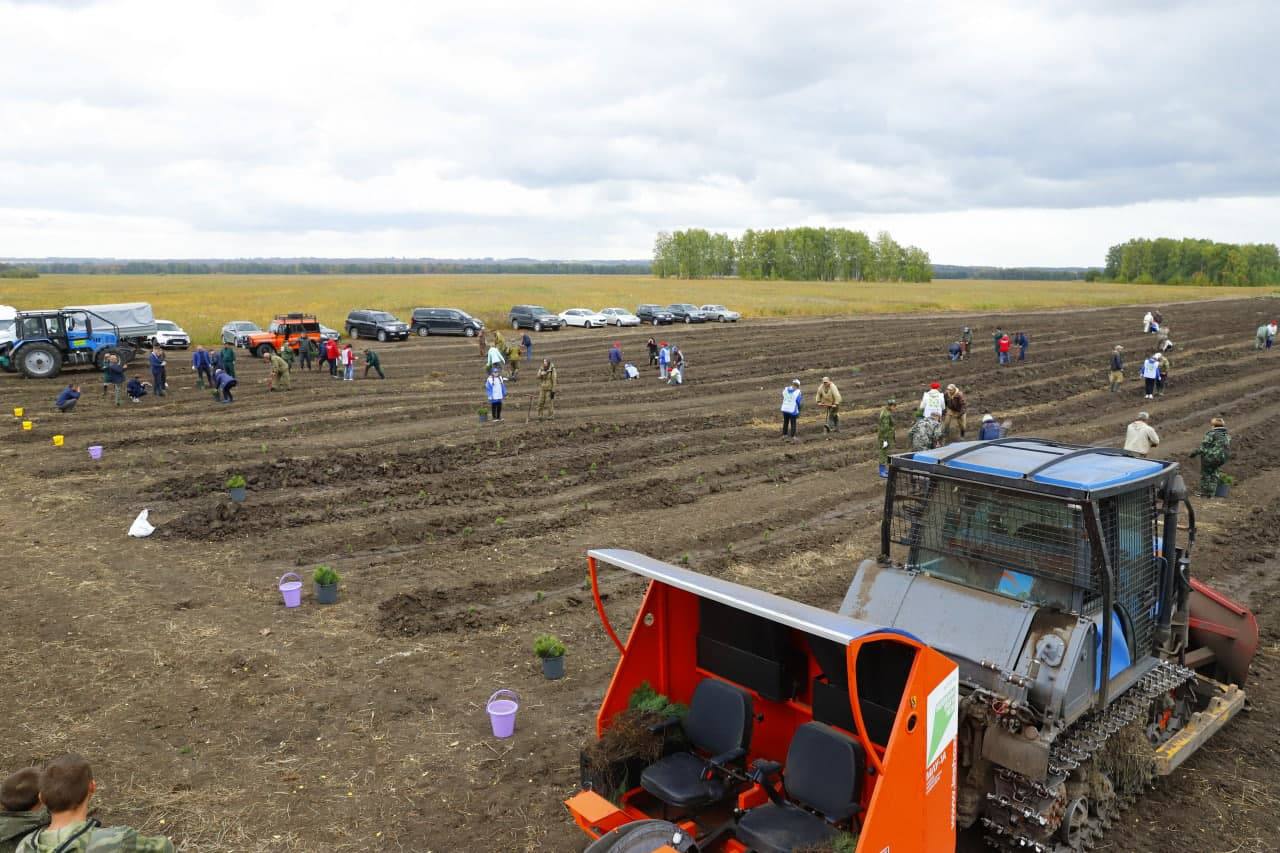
(718, 726)
(823, 781)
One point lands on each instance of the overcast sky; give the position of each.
(1004, 133)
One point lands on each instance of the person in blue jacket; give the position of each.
(956, 351)
(527, 343)
(203, 366)
(158, 368)
(495, 388)
(1023, 342)
(990, 429)
(136, 389)
(224, 382)
(792, 398)
(113, 375)
(66, 401)
(615, 360)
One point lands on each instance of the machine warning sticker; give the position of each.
(943, 709)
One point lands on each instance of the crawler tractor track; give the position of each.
(1070, 811)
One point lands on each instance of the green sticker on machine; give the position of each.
(943, 709)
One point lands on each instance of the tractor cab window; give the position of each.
(54, 327)
(1018, 546)
(31, 327)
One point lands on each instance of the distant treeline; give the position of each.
(794, 254)
(321, 267)
(952, 271)
(10, 271)
(1168, 261)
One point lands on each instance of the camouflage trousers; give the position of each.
(1209, 480)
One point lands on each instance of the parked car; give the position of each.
(620, 317)
(444, 321)
(237, 332)
(584, 317)
(720, 314)
(169, 335)
(368, 323)
(327, 334)
(286, 330)
(687, 312)
(534, 317)
(655, 314)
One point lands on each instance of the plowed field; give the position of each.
(213, 714)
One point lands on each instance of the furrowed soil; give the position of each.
(216, 716)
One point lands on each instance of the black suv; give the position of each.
(534, 317)
(655, 314)
(444, 321)
(684, 312)
(367, 323)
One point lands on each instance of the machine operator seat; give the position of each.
(718, 726)
(823, 782)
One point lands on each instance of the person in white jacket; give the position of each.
(1139, 438)
(1147, 320)
(791, 400)
(933, 401)
(1151, 373)
(495, 388)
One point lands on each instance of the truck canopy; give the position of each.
(135, 319)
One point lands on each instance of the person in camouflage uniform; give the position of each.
(289, 356)
(886, 435)
(547, 389)
(20, 811)
(926, 433)
(66, 786)
(1214, 451)
(279, 371)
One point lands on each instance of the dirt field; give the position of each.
(213, 714)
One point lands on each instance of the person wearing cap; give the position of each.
(926, 433)
(615, 359)
(1214, 451)
(954, 419)
(933, 401)
(792, 397)
(990, 430)
(966, 338)
(1139, 438)
(495, 389)
(1266, 334)
(829, 398)
(886, 435)
(1150, 373)
(1117, 368)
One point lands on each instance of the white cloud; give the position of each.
(988, 132)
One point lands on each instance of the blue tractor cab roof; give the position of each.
(1041, 465)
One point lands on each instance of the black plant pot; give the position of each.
(553, 668)
(327, 593)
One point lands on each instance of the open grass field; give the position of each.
(202, 304)
(213, 714)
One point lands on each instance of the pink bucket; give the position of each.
(95, 451)
(291, 590)
(502, 712)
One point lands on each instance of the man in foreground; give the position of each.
(547, 389)
(829, 399)
(1139, 438)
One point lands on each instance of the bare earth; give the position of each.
(216, 716)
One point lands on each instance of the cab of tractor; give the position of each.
(738, 720)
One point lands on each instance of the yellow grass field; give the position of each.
(202, 303)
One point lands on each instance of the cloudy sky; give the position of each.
(1007, 133)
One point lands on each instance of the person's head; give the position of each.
(66, 783)
(157, 349)
(795, 383)
(826, 380)
(891, 403)
(266, 356)
(546, 362)
(1217, 422)
(966, 328)
(20, 791)
(617, 344)
(74, 387)
(951, 389)
(935, 386)
(1144, 416)
(986, 419)
(935, 415)
(494, 371)
(1119, 348)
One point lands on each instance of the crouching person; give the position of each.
(66, 786)
(66, 401)
(224, 382)
(22, 813)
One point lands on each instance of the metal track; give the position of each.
(1026, 816)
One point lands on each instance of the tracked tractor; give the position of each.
(1026, 655)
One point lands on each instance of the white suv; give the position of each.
(170, 335)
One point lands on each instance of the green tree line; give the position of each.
(1168, 261)
(340, 267)
(795, 254)
(10, 271)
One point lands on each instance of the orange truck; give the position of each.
(1028, 653)
(286, 330)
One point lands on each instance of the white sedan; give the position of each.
(620, 317)
(721, 314)
(584, 317)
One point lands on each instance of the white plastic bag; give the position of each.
(141, 528)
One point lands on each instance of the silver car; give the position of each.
(237, 331)
(721, 314)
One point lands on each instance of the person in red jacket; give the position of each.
(331, 356)
(1004, 345)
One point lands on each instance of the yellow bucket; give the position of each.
(57, 441)
(26, 424)
(17, 411)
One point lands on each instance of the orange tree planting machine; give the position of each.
(1027, 654)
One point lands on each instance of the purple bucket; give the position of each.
(291, 590)
(95, 451)
(502, 712)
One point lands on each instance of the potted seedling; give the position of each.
(1225, 482)
(551, 650)
(612, 764)
(235, 488)
(326, 580)
(483, 413)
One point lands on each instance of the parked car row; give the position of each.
(538, 318)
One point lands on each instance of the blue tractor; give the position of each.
(44, 342)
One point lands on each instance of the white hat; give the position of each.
(795, 381)
(986, 418)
